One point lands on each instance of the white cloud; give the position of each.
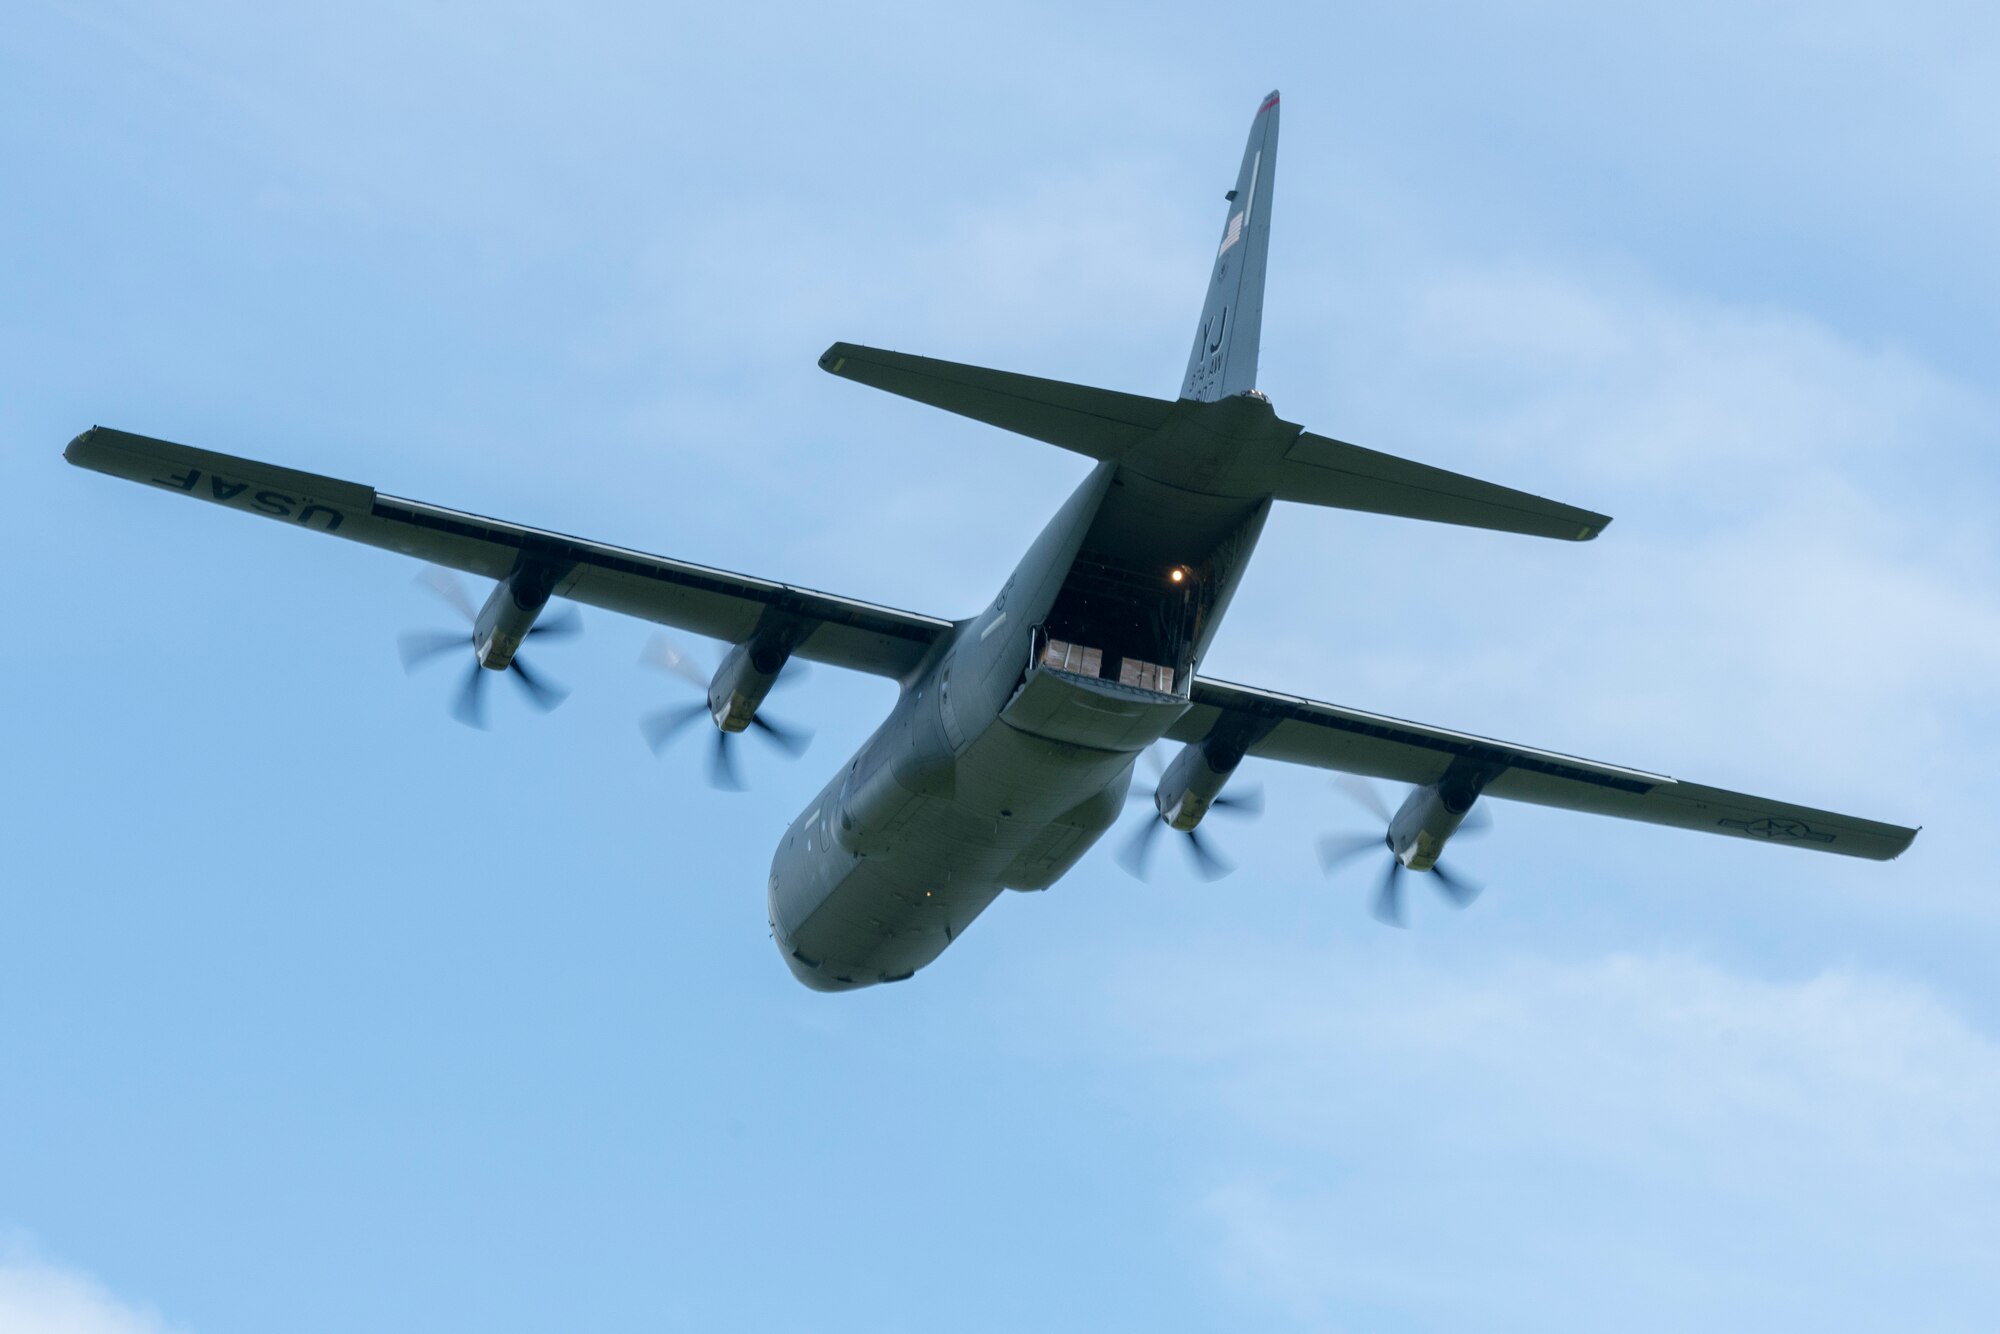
(1639, 1142)
(1798, 596)
(39, 1297)
(1723, 405)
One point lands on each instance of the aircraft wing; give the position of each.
(1327, 736)
(702, 601)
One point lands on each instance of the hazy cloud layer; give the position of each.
(1715, 270)
(41, 1297)
(1646, 1142)
(1793, 577)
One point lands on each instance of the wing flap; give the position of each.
(713, 603)
(1328, 736)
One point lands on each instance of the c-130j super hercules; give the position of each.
(1011, 748)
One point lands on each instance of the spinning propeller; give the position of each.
(661, 726)
(1336, 850)
(1137, 854)
(421, 646)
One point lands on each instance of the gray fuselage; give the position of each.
(1010, 748)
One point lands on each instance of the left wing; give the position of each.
(712, 603)
(1327, 736)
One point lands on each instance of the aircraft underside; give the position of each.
(1039, 710)
(845, 920)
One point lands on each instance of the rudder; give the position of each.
(1223, 361)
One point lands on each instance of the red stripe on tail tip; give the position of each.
(1269, 102)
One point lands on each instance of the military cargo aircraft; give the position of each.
(1012, 745)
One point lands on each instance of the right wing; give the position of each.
(1327, 736)
(712, 603)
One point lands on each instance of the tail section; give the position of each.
(1224, 359)
(1213, 441)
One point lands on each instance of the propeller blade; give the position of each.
(449, 587)
(1477, 821)
(1338, 849)
(1137, 854)
(421, 646)
(562, 623)
(662, 653)
(470, 706)
(1155, 765)
(1208, 863)
(792, 740)
(1459, 889)
(795, 671)
(1388, 907)
(1248, 802)
(663, 725)
(722, 764)
(544, 694)
(1363, 794)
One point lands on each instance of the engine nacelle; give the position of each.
(1428, 817)
(1193, 781)
(747, 673)
(510, 612)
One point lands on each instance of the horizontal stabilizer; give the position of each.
(1178, 443)
(1318, 470)
(1101, 423)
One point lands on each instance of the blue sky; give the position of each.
(326, 1013)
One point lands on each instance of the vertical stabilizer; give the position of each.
(1224, 360)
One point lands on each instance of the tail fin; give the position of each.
(1224, 359)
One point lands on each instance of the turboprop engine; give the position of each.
(1186, 791)
(1415, 835)
(1427, 817)
(732, 698)
(744, 678)
(1192, 782)
(511, 613)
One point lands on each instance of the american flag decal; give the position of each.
(1232, 235)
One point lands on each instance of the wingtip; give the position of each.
(73, 452)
